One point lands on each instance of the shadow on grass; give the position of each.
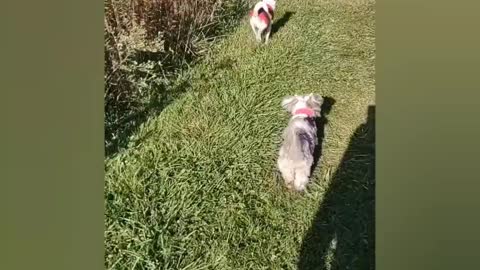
(281, 22)
(321, 122)
(342, 233)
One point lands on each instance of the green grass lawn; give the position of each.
(198, 188)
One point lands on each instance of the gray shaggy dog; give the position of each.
(299, 140)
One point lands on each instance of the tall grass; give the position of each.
(146, 43)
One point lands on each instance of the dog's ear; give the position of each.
(288, 102)
(315, 102)
(315, 99)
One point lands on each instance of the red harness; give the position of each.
(263, 16)
(308, 112)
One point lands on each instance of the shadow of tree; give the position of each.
(342, 235)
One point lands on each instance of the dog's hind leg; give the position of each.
(258, 35)
(254, 29)
(301, 179)
(288, 174)
(289, 178)
(267, 35)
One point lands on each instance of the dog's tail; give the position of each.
(258, 8)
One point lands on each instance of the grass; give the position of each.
(198, 188)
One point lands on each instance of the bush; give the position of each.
(146, 43)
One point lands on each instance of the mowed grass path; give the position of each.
(199, 188)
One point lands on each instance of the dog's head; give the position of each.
(310, 104)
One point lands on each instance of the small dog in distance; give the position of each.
(296, 155)
(261, 18)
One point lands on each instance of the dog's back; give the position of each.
(296, 154)
(261, 19)
(261, 15)
(299, 139)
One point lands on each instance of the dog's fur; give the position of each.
(299, 140)
(261, 18)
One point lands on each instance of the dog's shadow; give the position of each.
(281, 22)
(321, 122)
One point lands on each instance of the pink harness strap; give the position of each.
(308, 112)
(263, 16)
